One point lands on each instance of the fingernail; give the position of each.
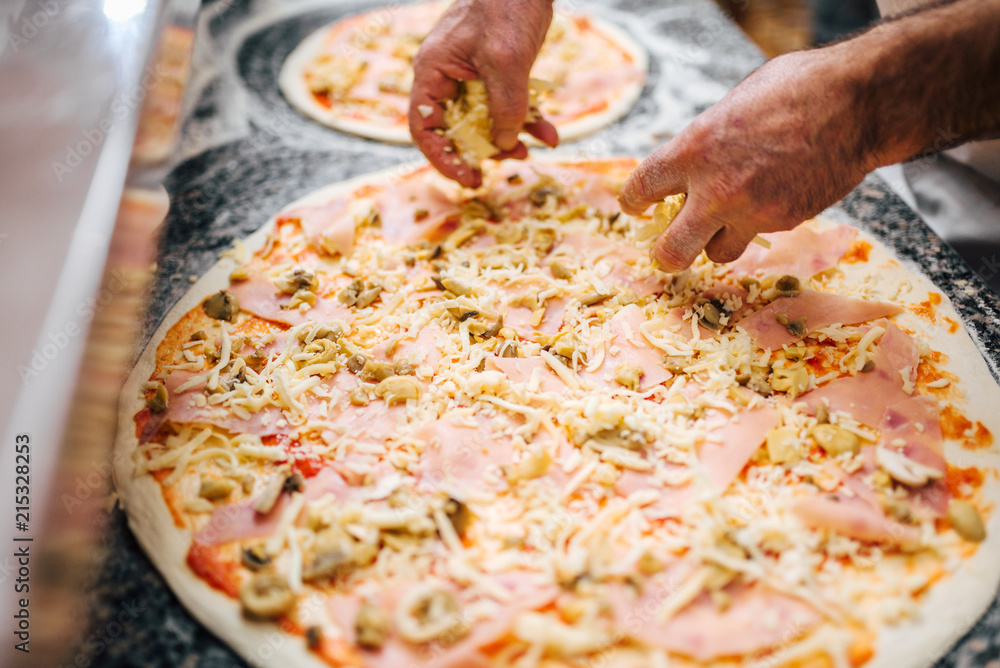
(663, 259)
(506, 140)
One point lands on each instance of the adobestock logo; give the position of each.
(118, 112)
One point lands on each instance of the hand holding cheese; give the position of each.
(802, 131)
(491, 41)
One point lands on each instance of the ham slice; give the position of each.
(867, 395)
(596, 247)
(513, 181)
(415, 208)
(756, 619)
(728, 448)
(521, 370)
(329, 229)
(675, 317)
(459, 455)
(635, 279)
(855, 518)
(519, 318)
(258, 295)
(820, 309)
(917, 422)
(239, 521)
(422, 350)
(802, 252)
(669, 502)
(627, 346)
(732, 441)
(527, 594)
(268, 421)
(182, 410)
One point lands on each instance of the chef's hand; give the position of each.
(778, 149)
(496, 41)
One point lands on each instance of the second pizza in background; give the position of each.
(355, 74)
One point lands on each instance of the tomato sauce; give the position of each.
(857, 252)
(208, 563)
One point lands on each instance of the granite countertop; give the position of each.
(245, 153)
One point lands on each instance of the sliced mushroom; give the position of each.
(649, 563)
(966, 521)
(788, 286)
(314, 636)
(334, 552)
(297, 279)
(255, 558)
(795, 353)
(294, 483)
(509, 349)
(560, 271)
(398, 389)
(903, 469)
(545, 188)
(457, 286)
(428, 613)
(533, 466)
(403, 368)
(332, 332)
(371, 625)
(358, 397)
(368, 295)
(565, 344)
(676, 363)
(320, 351)
(356, 363)
(375, 371)
(221, 306)
(593, 297)
(159, 400)
(349, 295)
(712, 314)
(299, 298)
(835, 440)
(266, 596)
(494, 330)
(214, 489)
(797, 327)
(458, 514)
(629, 376)
(793, 381)
(782, 445)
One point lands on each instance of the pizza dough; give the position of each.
(598, 508)
(355, 75)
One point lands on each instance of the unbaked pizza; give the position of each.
(355, 75)
(407, 424)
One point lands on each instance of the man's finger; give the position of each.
(543, 131)
(728, 244)
(656, 177)
(519, 152)
(426, 117)
(507, 92)
(681, 243)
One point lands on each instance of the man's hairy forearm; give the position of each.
(925, 81)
